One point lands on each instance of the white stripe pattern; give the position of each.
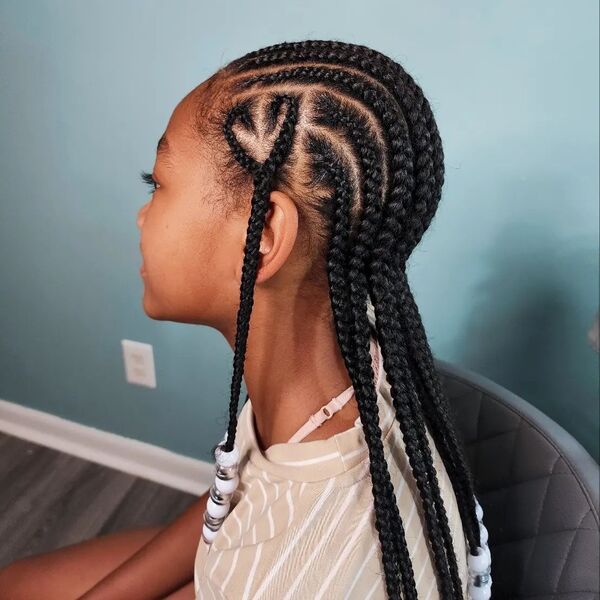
(252, 572)
(324, 539)
(310, 461)
(313, 514)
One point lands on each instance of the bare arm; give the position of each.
(160, 567)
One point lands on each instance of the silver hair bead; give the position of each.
(226, 473)
(213, 522)
(211, 526)
(217, 496)
(482, 579)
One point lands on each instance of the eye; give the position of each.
(148, 179)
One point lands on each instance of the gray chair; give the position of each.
(538, 488)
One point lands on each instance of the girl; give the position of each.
(289, 191)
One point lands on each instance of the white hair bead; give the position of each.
(216, 510)
(227, 486)
(480, 562)
(483, 534)
(208, 534)
(478, 510)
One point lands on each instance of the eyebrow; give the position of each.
(163, 145)
(164, 149)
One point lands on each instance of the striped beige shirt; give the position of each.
(302, 523)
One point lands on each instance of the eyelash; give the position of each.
(148, 179)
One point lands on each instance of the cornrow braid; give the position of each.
(359, 150)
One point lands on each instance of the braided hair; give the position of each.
(347, 133)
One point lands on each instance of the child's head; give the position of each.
(194, 227)
(315, 165)
(191, 247)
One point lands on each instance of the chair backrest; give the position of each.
(538, 488)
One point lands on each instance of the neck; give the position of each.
(293, 366)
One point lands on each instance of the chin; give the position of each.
(152, 310)
(157, 313)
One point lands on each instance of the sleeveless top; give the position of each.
(302, 521)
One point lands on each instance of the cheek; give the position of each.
(189, 262)
(210, 259)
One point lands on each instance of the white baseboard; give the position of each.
(109, 449)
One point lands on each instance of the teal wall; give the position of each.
(506, 277)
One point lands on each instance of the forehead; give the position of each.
(179, 141)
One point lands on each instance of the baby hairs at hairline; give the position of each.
(353, 139)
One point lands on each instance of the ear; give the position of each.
(279, 235)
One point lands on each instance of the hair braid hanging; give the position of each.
(263, 175)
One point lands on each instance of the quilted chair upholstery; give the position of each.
(538, 488)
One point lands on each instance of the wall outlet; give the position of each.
(139, 363)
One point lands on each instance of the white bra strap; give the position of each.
(328, 410)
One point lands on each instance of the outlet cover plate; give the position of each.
(139, 363)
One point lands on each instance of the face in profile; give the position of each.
(191, 250)
(194, 227)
